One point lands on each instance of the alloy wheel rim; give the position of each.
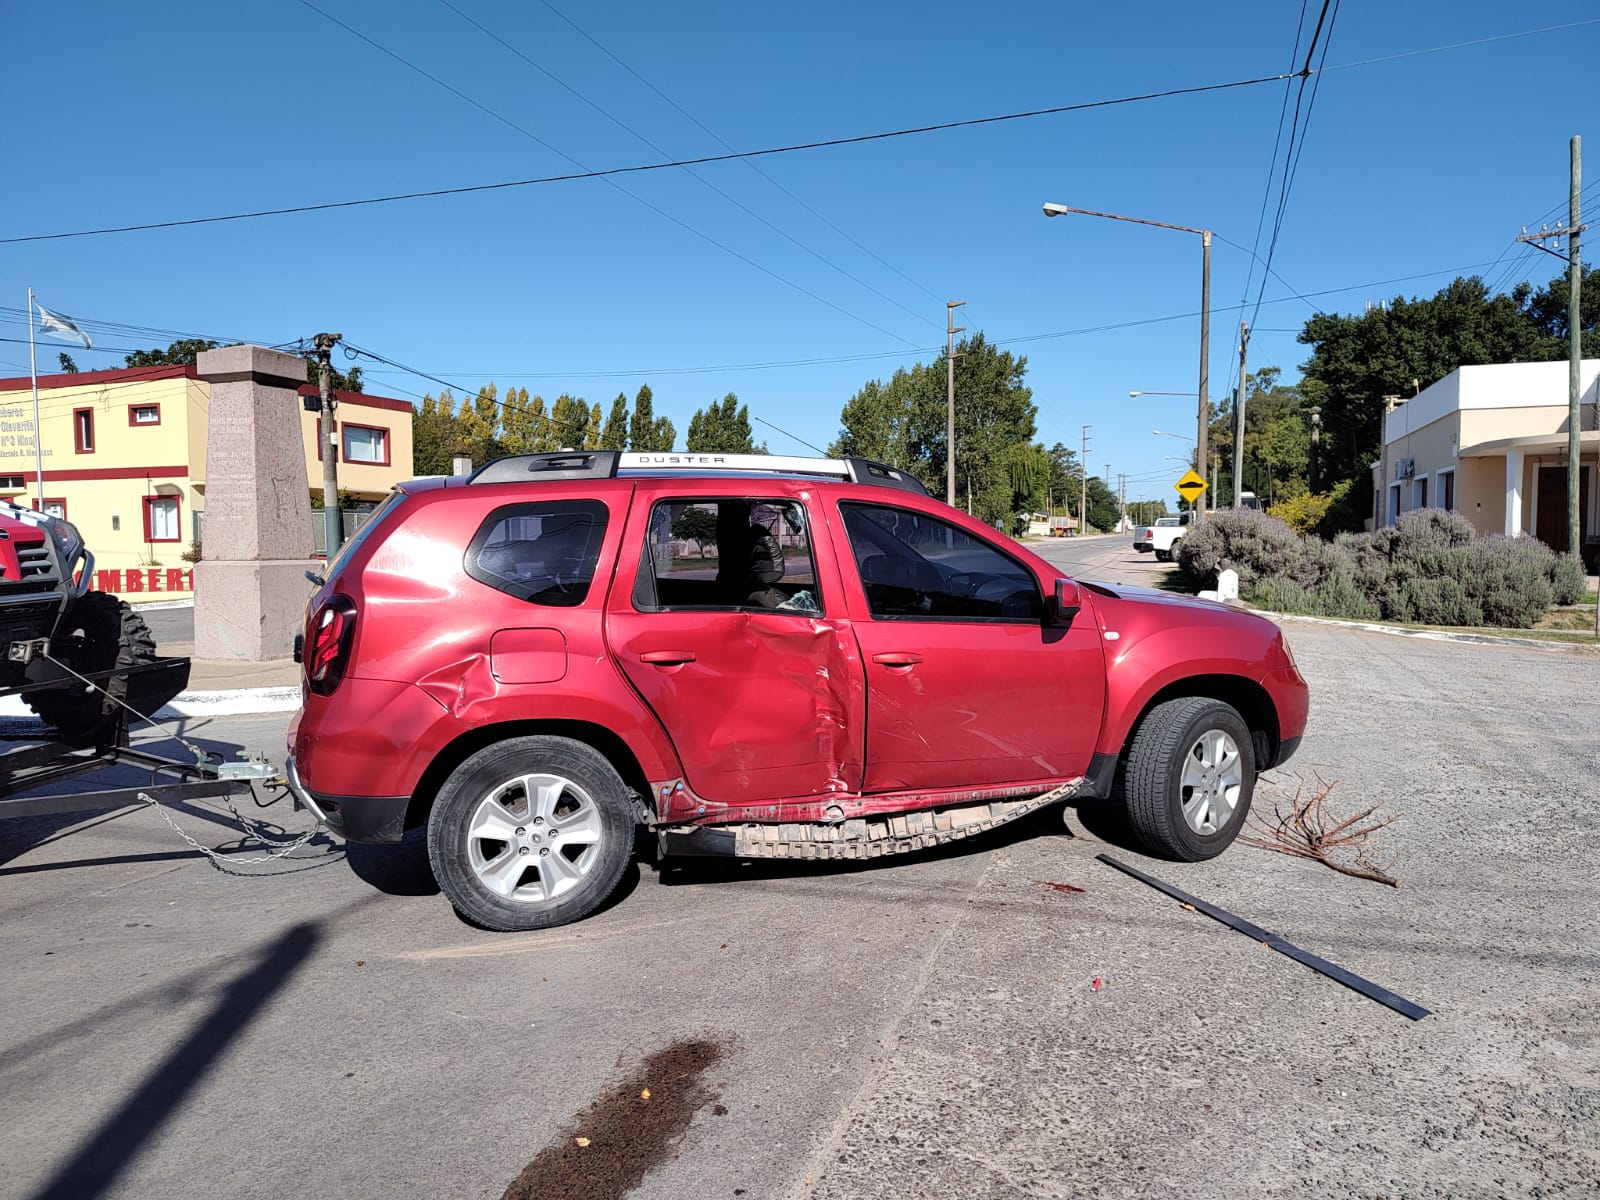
(1211, 783)
(533, 838)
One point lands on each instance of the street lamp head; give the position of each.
(1134, 395)
(1056, 210)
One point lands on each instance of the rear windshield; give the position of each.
(374, 518)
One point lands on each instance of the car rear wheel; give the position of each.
(530, 833)
(1190, 778)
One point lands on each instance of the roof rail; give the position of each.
(556, 464)
(604, 464)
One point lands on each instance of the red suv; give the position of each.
(753, 656)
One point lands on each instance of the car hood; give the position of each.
(1124, 591)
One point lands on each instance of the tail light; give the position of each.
(328, 654)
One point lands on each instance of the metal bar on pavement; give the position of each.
(1332, 970)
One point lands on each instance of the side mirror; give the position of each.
(1065, 603)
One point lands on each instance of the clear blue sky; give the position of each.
(1424, 166)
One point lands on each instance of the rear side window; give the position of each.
(542, 553)
(746, 553)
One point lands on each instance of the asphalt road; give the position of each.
(927, 1027)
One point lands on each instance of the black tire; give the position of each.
(1172, 550)
(1173, 738)
(98, 632)
(1162, 556)
(575, 792)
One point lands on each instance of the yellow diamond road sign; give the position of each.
(1190, 486)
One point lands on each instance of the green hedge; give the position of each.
(1431, 568)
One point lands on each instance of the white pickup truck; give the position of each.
(1163, 537)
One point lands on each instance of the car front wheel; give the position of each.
(1191, 774)
(530, 833)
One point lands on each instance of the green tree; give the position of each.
(569, 422)
(1103, 508)
(1146, 512)
(1062, 485)
(477, 428)
(181, 353)
(184, 352)
(433, 434)
(68, 367)
(721, 428)
(697, 525)
(1405, 345)
(648, 431)
(902, 422)
(615, 434)
(591, 436)
(520, 425)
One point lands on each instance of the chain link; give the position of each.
(225, 863)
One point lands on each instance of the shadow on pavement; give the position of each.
(104, 1154)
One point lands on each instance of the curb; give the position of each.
(1430, 635)
(239, 702)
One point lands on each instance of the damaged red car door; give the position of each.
(757, 682)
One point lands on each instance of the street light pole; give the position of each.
(1056, 210)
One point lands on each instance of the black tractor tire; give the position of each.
(490, 833)
(98, 632)
(1181, 805)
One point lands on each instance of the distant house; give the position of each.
(124, 458)
(1490, 442)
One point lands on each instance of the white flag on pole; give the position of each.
(50, 322)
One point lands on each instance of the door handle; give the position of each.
(667, 658)
(897, 658)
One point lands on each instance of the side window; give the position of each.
(728, 554)
(917, 567)
(541, 553)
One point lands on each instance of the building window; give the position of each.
(144, 414)
(11, 483)
(53, 508)
(1447, 489)
(83, 430)
(1394, 504)
(366, 444)
(1422, 493)
(161, 523)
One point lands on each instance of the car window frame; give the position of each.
(538, 508)
(1037, 620)
(646, 599)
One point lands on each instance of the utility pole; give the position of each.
(1122, 497)
(1316, 444)
(951, 329)
(1574, 337)
(1238, 416)
(1083, 475)
(333, 521)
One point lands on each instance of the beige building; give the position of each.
(1490, 442)
(124, 459)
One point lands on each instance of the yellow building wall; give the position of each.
(365, 480)
(104, 490)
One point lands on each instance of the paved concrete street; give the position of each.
(924, 1027)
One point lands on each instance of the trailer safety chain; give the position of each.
(224, 863)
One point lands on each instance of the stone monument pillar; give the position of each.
(250, 589)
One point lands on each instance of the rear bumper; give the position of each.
(355, 818)
(1143, 547)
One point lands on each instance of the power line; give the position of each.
(1272, 163)
(821, 144)
(716, 138)
(740, 205)
(660, 212)
(1291, 154)
(1500, 37)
